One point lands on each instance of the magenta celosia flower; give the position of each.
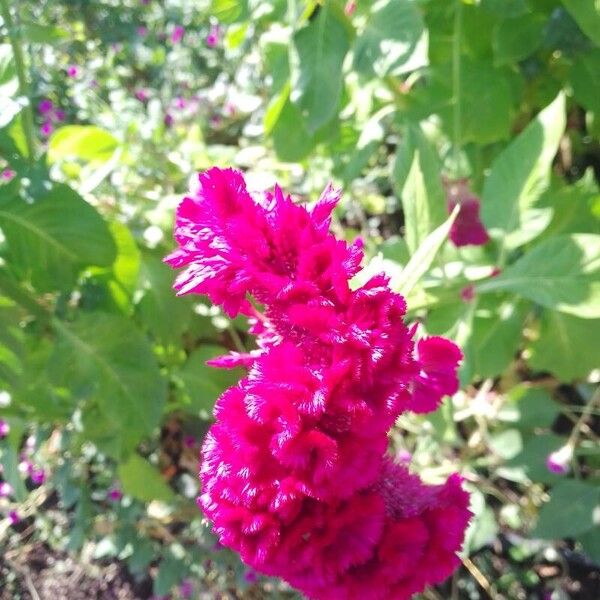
(13, 517)
(37, 475)
(72, 71)
(4, 429)
(45, 106)
(467, 228)
(186, 588)
(114, 494)
(177, 33)
(213, 37)
(294, 470)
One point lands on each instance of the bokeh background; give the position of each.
(108, 108)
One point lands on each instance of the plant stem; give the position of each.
(456, 112)
(15, 42)
(587, 411)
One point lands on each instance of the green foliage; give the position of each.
(105, 368)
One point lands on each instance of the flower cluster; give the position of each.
(294, 474)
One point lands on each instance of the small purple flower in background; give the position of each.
(30, 444)
(7, 175)
(142, 95)
(72, 71)
(212, 39)
(5, 489)
(403, 456)
(177, 33)
(467, 294)
(59, 115)
(13, 517)
(38, 476)
(142, 31)
(25, 467)
(45, 106)
(4, 426)
(558, 461)
(251, 576)
(114, 494)
(186, 589)
(350, 8)
(189, 441)
(46, 129)
(467, 229)
(180, 102)
(168, 120)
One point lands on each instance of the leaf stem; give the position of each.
(456, 111)
(15, 42)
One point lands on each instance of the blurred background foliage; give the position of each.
(107, 108)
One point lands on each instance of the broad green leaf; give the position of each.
(572, 510)
(585, 80)
(423, 257)
(320, 48)
(83, 142)
(105, 361)
(291, 139)
(516, 38)
(417, 181)
(566, 346)
(165, 315)
(587, 15)
(229, 11)
(483, 526)
(126, 268)
(506, 8)
(530, 463)
(143, 481)
(394, 40)
(506, 444)
(496, 335)
(519, 176)
(562, 273)
(204, 384)
(42, 34)
(9, 83)
(171, 571)
(529, 407)
(50, 240)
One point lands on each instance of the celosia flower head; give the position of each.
(294, 470)
(177, 33)
(467, 228)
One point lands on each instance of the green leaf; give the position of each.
(143, 481)
(171, 571)
(204, 384)
(417, 181)
(529, 407)
(496, 334)
(291, 138)
(317, 76)
(566, 346)
(83, 142)
(52, 239)
(9, 84)
(424, 255)
(483, 527)
(519, 176)
(587, 15)
(560, 273)
(569, 512)
(105, 361)
(229, 11)
(516, 38)
(42, 34)
(585, 80)
(126, 268)
(394, 40)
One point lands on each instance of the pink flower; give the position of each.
(72, 71)
(5, 489)
(168, 120)
(186, 589)
(189, 441)
(177, 33)
(559, 461)
(14, 518)
(142, 31)
(467, 294)
(143, 95)
(180, 103)
(114, 494)
(350, 8)
(213, 37)
(294, 470)
(46, 129)
(38, 476)
(59, 115)
(467, 228)
(4, 429)
(7, 175)
(45, 106)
